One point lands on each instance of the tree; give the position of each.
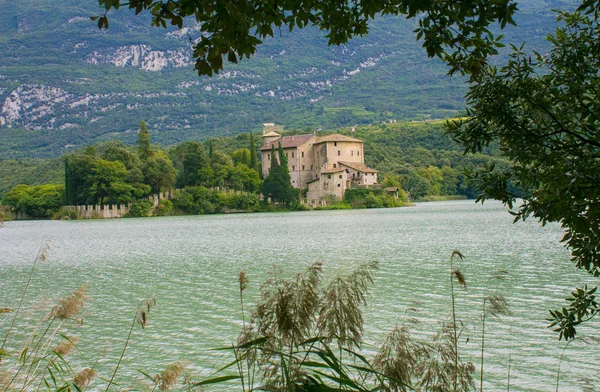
(241, 177)
(253, 154)
(269, 185)
(159, 173)
(117, 151)
(456, 31)
(188, 159)
(278, 184)
(37, 201)
(210, 149)
(544, 113)
(241, 155)
(143, 141)
(78, 176)
(103, 175)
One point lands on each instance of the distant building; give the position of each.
(326, 165)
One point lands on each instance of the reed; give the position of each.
(141, 318)
(35, 350)
(455, 274)
(306, 335)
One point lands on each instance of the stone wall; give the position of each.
(100, 212)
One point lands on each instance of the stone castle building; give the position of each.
(326, 165)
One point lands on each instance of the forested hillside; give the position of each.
(65, 84)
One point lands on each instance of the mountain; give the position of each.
(65, 84)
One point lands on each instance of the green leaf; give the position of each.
(216, 380)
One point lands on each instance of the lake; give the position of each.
(190, 264)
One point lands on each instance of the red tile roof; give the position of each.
(288, 141)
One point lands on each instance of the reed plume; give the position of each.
(340, 314)
(243, 281)
(66, 346)
(70, 306)
(168, 378)
(398, 359)
(84, 377)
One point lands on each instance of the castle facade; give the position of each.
(326, 165)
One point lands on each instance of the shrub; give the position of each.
(140, 208)
(163, 208)
(66, 213)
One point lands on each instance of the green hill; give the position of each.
(65, 84)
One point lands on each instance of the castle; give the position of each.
(326, 165)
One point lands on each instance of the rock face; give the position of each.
(142, 57)
(31, 106)
(39, 106)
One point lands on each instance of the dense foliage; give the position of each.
(198, 200)
(37, 201)
(544, 113)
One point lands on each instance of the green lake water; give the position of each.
(190, 265)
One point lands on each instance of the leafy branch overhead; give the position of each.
(455, 31)
(544, 113)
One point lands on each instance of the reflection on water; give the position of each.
(190, 265)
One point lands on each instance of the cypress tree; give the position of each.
(68, 197)
(274, 162)
(253, 160)
(269, 185)
(287, 193)
(210, 148)
(278, 183)
(283, 162)
(143, 141)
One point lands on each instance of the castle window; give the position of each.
(340, 176)
(292, 154)
(335, 144)
(329, 176)
(358, 152)
(286, 154)
(293, 168)
(352, 152)
(335, 165)
(311, 167)
(302, 154)
(339, 152)
(339, 185)
(302, 167)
